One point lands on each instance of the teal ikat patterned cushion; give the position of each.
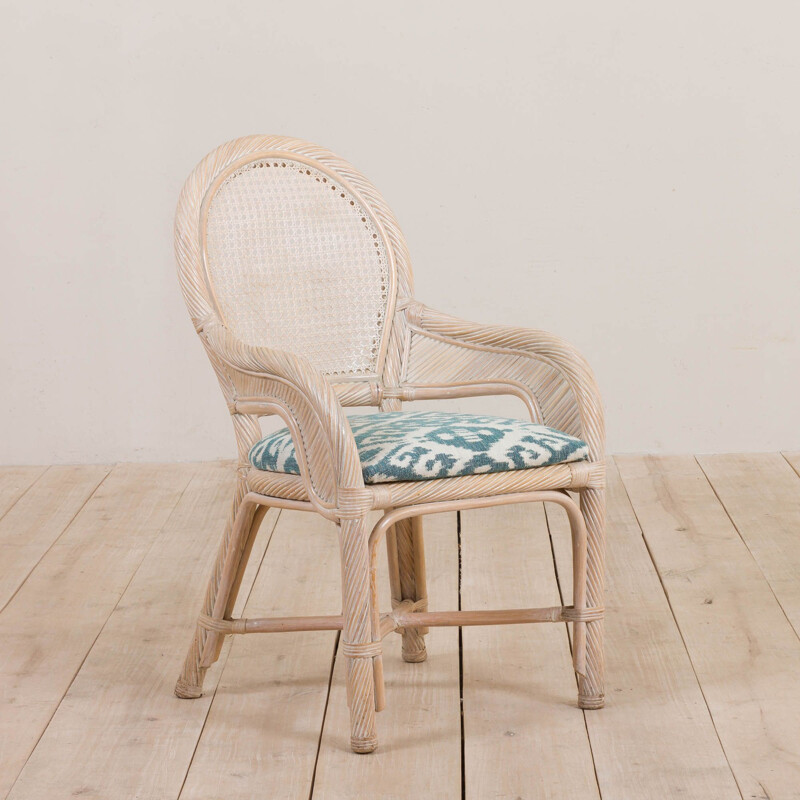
(422, 445)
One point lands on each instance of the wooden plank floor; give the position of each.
(102, 570)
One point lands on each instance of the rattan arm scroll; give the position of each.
(444, 351)
(268, 381)
(454, 351)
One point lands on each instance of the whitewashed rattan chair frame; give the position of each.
(423, 354)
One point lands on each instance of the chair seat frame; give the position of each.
(424, 355)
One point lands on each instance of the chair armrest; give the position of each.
(556, 374)
(277, 381)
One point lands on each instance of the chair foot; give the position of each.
(189, 685)
(413, 649)
(187, 691)
(415, 656)
(592, 702)
(364, 745)
(406, 551)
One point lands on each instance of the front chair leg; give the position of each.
(223, 586)
(591, 685)
(359, 645)
(406, 552)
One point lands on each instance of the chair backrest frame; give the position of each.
(191, 235)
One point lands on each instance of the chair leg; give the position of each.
(405, 548)
(223, 587)
(358, 645)
(591, 686)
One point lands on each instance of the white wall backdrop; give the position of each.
(626, 174)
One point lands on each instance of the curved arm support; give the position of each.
(324, 443)
(558, 377)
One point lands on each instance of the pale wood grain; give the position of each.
(655, 738)
(420, 754)
(744, 651)
(761, 493)
(262, 733)
(39, 517)
(51, 623)
(14, 482)
(524, 735)
(120, 732)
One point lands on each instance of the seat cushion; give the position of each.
(421, 445)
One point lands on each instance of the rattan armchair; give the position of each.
(298, 281)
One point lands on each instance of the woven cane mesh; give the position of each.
(296, 264)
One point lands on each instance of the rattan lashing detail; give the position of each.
(288, 340)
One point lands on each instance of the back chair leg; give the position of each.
(223, 587)
(405, 548)
(360, 643)
(591, 686)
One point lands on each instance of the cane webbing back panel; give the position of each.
(296, 262)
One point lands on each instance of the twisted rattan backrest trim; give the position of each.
(347, 334)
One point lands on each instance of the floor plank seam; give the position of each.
(683, 639)
(324, 714)
(25, 491)
(747, 546)
(785, 457)
(63, 530)
(555, 565)
(100, 631)
(224, 660)
(69, 686)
